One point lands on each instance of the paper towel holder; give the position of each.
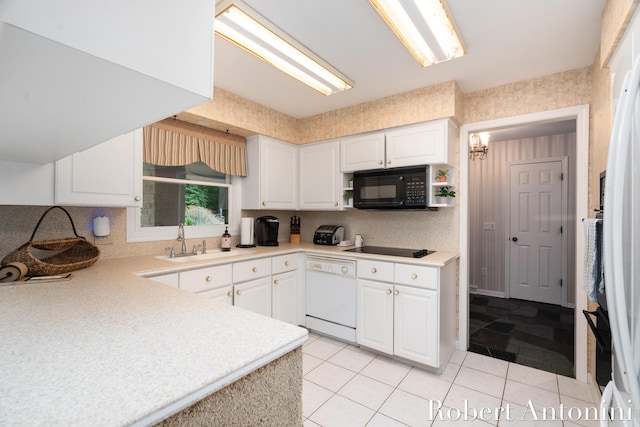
(244, 222)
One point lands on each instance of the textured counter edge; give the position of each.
(198, 395)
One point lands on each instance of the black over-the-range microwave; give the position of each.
(397, 188)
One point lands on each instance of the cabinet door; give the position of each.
(362, 152)
(422, 144)
(254, 296)
(319, 176)
(375, 315)
(278, 175)
(285, 294)
(223, 295)
(416, 325)
(109, 174)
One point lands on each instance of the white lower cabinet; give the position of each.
(285, 287)
(224, 294)
(400, 311)
(254, 295)
(171, 279)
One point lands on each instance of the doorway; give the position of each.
(472, 271)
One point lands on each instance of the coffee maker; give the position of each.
(267, 231)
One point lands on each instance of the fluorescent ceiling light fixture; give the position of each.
(244, 27)
(424, 27)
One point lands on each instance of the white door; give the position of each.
(375, 315)
(284, 297)
(254, 296)
(536, 255)
(319, 176)
(416, 325)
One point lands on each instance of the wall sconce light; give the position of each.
(478, 145)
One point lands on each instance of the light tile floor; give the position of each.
(346, 386)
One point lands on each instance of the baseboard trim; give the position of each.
(489, 293)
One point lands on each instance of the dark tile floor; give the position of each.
(525, 332)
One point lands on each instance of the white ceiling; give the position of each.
(506, 41)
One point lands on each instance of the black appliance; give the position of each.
(267, 231)
(328, 235)
(381, 250)
(397, 188)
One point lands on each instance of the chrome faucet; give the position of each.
(181, 238)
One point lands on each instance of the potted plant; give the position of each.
(348, 196)
(442, 175)
(443, 193)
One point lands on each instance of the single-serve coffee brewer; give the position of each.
(267, 231)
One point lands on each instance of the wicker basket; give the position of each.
(68, 254)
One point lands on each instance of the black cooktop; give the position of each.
(381, 250)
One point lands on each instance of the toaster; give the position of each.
(328, 235)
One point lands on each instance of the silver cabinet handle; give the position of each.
(379, 162)
(388, 291)
(374, 270)
(414, 276)
(397, 292)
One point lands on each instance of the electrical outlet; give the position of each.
(483, 271)
(489, 226)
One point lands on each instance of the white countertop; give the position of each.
(111, 348)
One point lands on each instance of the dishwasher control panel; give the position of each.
(331, 266)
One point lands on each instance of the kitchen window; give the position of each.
(187, 179)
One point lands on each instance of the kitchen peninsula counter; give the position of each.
(110, 348)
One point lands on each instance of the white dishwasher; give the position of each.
(331, 296)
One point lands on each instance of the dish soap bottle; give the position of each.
(225, 243)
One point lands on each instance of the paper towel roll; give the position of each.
(246, 231)
(12, 272)
(101, 226)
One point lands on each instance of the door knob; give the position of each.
(515, 239)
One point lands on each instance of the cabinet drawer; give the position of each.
(204, 279)
(249, 270)
(282, 263)
(375, 270)
(415, 275)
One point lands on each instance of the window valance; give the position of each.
(176, 143)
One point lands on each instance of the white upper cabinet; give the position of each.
(362, 152)
(272, 180)
(320, 179)
(420, 144)
(74, 73)
(109, 174)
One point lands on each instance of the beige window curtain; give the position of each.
(176, 143)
